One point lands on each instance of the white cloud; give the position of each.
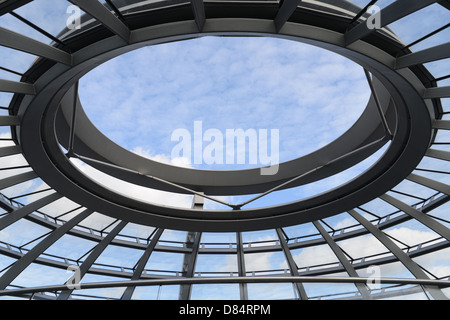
(163, 158)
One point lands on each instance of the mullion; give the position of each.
(15, 168)
(11, 71)
(427, 36)
(31, 193)
(35, 27)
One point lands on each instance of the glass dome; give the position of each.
(359, 213)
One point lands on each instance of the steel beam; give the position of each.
(292, 265)
(128, 293)
(428, 55)
(391, 13)
(86, 265)
(16, 87)
(365, 294)
(418, 215)
(415, 270)
(439, 92)
(9, 151)
(97, 10)
(430, 183)
(189, 265)
(243, 290)
(20, 42)
(441, 124)
(37, 250)
(19, 178)
(9, 121)
(285, 12)
(438, 154)
(26, 210)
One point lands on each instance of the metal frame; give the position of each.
(396, 92)
(359, 189)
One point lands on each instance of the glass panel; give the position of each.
(57, 207)
(410, 233)
(39, 275)
(421, 23)
(390, 270)
(329, 291)
(437, 263)
(9, 22)
(157, 293)
(302, 232)
(378, 207)
(114, 256)
(22, 232)
(442, 213)
(363, 246)
(442, 141)
(5, 261)
(438, 68)
(49, 16)
(265, 263)
(259, 238)
(342, 221)
(215, 292)
(70, 247)
(218, 240)
(135, 230)
(411, 191)
(434, 164)
(165, 263)
(219, 265)
(271, 291)
(314, 258)
(173, 235)
(96, 221)
(111, 293)
(15, 60)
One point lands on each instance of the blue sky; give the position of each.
(309, 94)
(140, 98)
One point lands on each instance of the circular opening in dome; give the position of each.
(225, 103)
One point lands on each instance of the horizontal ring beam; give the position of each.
(221, 280)
(388, 15)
